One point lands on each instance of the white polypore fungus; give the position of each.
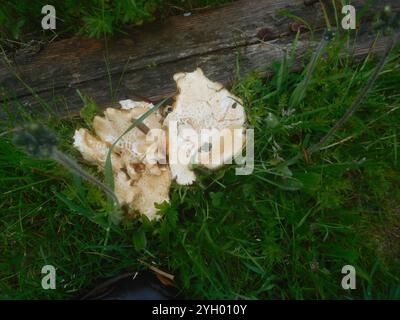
(140, 181)
(212, 113)
(141, 177)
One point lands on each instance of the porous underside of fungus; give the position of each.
(141, 178)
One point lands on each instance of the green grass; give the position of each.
(276, 234)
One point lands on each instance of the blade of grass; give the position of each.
(300, 91)
(109, 177)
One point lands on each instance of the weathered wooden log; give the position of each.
(247, 33)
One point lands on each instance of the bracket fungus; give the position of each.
(203, 121)
(140, 178)
(204, 126)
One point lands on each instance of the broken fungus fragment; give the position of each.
(207, 110)
(140, 178)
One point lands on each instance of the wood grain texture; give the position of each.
(141, 64)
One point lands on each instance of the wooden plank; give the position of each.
(142, 63)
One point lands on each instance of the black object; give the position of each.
(142, 285)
